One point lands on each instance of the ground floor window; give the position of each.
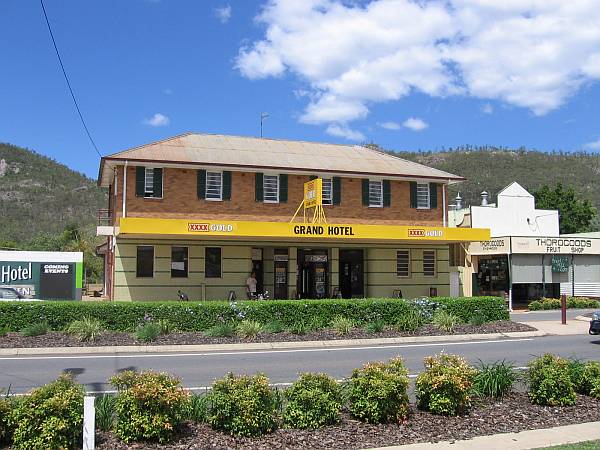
(212, 262)
(145, 261)
(403, 263)
(179, 262)
(429, 263)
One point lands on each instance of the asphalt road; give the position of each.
(282, 366)
(554, 315)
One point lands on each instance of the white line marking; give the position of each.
(262, 352)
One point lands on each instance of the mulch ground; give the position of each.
(512, 414)
(60, 339)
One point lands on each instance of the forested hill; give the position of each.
(491, 169)
(40, 195)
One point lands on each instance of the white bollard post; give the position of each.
(89, 423)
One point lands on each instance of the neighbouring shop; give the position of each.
(43, 275)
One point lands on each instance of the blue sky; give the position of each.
(324, 70)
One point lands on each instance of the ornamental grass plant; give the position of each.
(86, 329)
(248, 329)
(494, 379)
(36, 329)
(445, 320)
(342, 325)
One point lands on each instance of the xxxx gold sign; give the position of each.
(314, 231)
(313, 193)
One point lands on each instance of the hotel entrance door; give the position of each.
(312, 273)
(352, 273)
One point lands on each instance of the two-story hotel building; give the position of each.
(200, 212)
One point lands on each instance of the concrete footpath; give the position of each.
(531, 439)
(556, 328)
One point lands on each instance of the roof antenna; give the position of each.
(263, 115)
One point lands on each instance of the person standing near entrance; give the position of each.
(251, 286)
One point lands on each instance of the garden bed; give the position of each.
(111, 338)
(514, 413)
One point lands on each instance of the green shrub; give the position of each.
(4, 331)
(555, 303)
(300, 328)
(243, 405)
(410, 321)
(149, 406)
(342, 325)
(165, 326)
(248, 329)
(105, 412)
(377, 392)
(595, 388)
(86, 329)
(576, 369)
(198, 408)
(445, 320)
(376, 326)
(477, 319)
(221, 330)
(273, 327)
(199, 316)
(36, 329)
(5, 408)
(445, 386)
(495, 379)
(148, 332)
(313, 401)
(550, 381)
(50, 417)
(583, 375)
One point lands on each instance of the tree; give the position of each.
(576, 214)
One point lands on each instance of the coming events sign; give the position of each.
(264, 230)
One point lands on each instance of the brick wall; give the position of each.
(180, 201)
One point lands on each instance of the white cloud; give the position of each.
(487, 108)
(157, 120)
(533, 54)
(593, 145)
(223, 13)
(390, 125)
(415, 124)
(345, 132)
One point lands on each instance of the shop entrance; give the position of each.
(352, 273)
(312, 273)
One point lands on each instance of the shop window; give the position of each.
(376, 193)
(214, 186)
(327, 191)
(145, 261)
(271, 188)
(403, 263)
(429, 263)
(423, 196)
(179, 262)
(212, 262)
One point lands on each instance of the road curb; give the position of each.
(583, 318)
(529, 439)
(265, 345)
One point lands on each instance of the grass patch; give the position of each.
(36, 329)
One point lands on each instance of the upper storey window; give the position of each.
(423, 195)
(148, 182)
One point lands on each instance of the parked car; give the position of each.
(11, 294)
(595, 323)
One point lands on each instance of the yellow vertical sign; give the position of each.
(313, 193)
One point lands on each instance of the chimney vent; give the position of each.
(458, 201)
(484, 198)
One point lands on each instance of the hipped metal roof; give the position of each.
(262, 154)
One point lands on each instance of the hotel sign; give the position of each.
(313, 193)
(286, 230)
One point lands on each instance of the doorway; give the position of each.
(312, 273)
(352, 273)
(258, 269)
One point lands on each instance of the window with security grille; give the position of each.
(429, 263)
(376, 193)
(149, 182)
(403, 263)
(271, 188)
(327, 191)
(423, 201)
(214, 186)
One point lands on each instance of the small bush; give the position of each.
(477, 319)
(147, 332)
(445, 385)
(550, 381)
(555, 303)
(243, 405)
(377, 392)
(376, 326)
(595, 388)
(445, 321)
(50, 417)
(274, 327)
(342, 325)
(313, 401)
(221, 330)
(247, 329)
(165, 326)
(37, 329)
(5, 408)
(86, 329)
(410, 321)
(425, 306)
(495, 379)
(149, 406)
(4, 331)
(198, 408)
(105, 412)
(584, 375)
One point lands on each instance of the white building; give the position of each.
(526, 258)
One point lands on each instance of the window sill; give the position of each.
(213, 199)
(153, 198)
(375, 206)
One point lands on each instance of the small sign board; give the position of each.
(560, 264)
(313, 193)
